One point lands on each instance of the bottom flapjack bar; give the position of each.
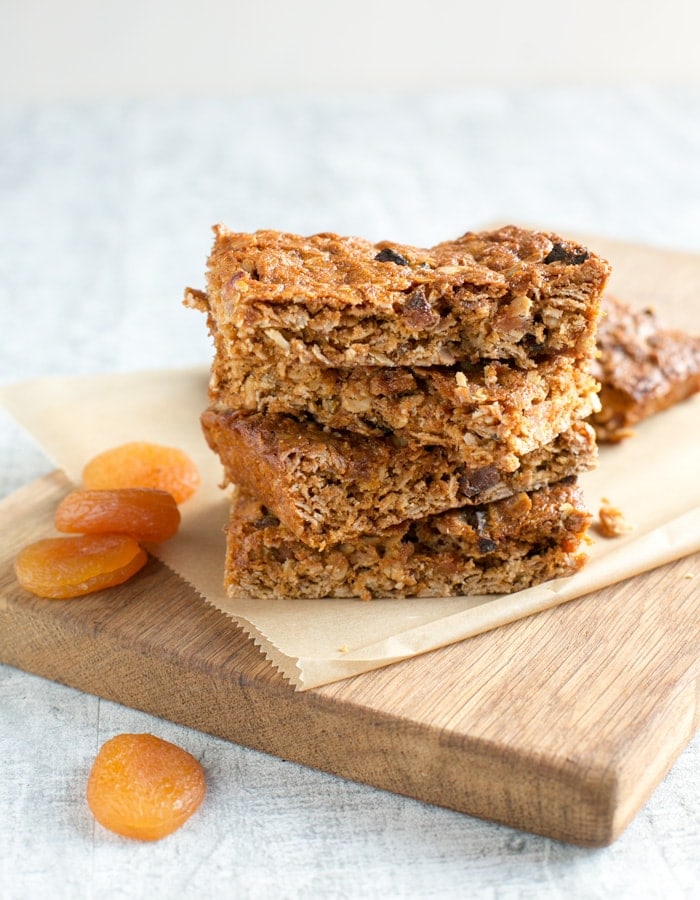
(496, 548)
(329, 486)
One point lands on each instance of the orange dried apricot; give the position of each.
(145, 465)
(144, 787)
(145, 514)
(64, 567)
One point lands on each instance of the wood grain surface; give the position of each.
(561, 724)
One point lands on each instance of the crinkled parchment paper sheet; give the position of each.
(652, 478)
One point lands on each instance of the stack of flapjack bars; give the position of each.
(400, 421)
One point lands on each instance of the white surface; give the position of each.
(105, 211)
(79, 48)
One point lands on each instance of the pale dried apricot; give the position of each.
(64, 567)
(145, 514)
(144, 787)
(144, 465)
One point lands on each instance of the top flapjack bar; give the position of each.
(509, 294)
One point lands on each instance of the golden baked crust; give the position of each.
(329, 486)
(643, 368)
(342, 301)
(502, 547)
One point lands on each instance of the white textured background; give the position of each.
(126, 130)
(82, 48)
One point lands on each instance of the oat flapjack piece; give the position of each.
(341, 301)
(643, 368)
(330, 486)
(502, 547)
(492, 413)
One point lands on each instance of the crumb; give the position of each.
(612, 522)
(689, 575)
(344, 649)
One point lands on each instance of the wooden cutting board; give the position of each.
(560, 724)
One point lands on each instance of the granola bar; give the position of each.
(341, 301)
(490, 414)
(643, 368)
(330, 486)
(502, 547)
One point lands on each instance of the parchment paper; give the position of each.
(653, 478)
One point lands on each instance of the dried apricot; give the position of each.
(145, 514)
(60, 568)
(144, 787)
(144, 465)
